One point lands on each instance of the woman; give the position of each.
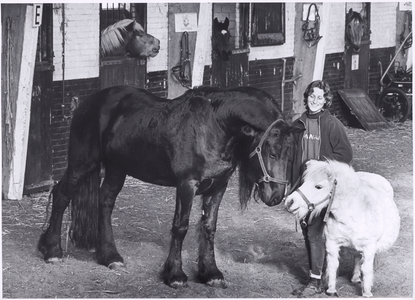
(324, 138)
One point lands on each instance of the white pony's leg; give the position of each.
(367, 271)
(332, 258)
(358, 259)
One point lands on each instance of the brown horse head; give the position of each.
(355, 28)
(221, 38)
(128, 37)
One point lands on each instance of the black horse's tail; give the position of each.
(84, 214)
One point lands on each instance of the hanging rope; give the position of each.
(311, 29)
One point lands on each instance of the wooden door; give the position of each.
(38, 173)
(122, 70)
(235, 71)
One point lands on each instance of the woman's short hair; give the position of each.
(321, 85)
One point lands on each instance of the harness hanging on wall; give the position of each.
(311, 29)
(183, 72)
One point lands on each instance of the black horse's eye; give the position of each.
(318, 186)
(273, 156)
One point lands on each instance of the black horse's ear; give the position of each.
(215, 22)
(226, 23)
(350, 12)
(248, 130)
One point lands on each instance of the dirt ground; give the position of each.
(259, 250)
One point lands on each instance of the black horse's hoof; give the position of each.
(221, 283)
(116, 265)
(51, 254)
(178, 284)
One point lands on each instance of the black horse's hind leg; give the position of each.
(50, 241)
(107, 253)
(208, 271)
(173, 273)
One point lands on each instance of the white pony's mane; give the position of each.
(329, 169)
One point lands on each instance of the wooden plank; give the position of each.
(363, 108)
(202, 40)
(321, 46)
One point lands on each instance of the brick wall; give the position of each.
(267, 75)
(81, 40)
(157, 83)
(62, 115)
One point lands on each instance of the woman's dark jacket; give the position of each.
(334, 142)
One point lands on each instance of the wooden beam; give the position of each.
(321, 46)
(203, 30)
(23, 104)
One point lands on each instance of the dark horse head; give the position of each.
(221, 38)
(128, 37)
(269, 159)
(355, 28)
(264, 143)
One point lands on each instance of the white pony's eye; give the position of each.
(318, 186)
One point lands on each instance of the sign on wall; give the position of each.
(37, 15)
(185, 22)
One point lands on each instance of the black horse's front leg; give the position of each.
(173, 273)
(208, 271)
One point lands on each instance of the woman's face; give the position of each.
(316, 100)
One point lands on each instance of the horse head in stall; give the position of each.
(193, 143)
(128, 37)
(221, 38)
(356, 25)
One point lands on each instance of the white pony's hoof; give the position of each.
(332, 293)
(367, 294)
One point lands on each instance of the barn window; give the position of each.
(111, 13)
(268, 24)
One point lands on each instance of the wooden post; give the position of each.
(205, 13)
(321, 46)
(20, 131)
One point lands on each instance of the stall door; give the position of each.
(235, 71)
(122, 70)
(39, 152)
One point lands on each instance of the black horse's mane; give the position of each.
(245, 143)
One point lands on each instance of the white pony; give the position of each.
(362, 215)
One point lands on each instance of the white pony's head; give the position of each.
(314, 194)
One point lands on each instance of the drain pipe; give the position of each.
(294, 80)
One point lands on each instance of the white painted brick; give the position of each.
(81, 41)
(157, 25)
(383, 24)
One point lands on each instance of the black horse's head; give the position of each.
(221, 38)
(355, 28)
(268, 163)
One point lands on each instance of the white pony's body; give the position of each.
(363, 215)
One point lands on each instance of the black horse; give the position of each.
(194, 143)
(221, 39)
